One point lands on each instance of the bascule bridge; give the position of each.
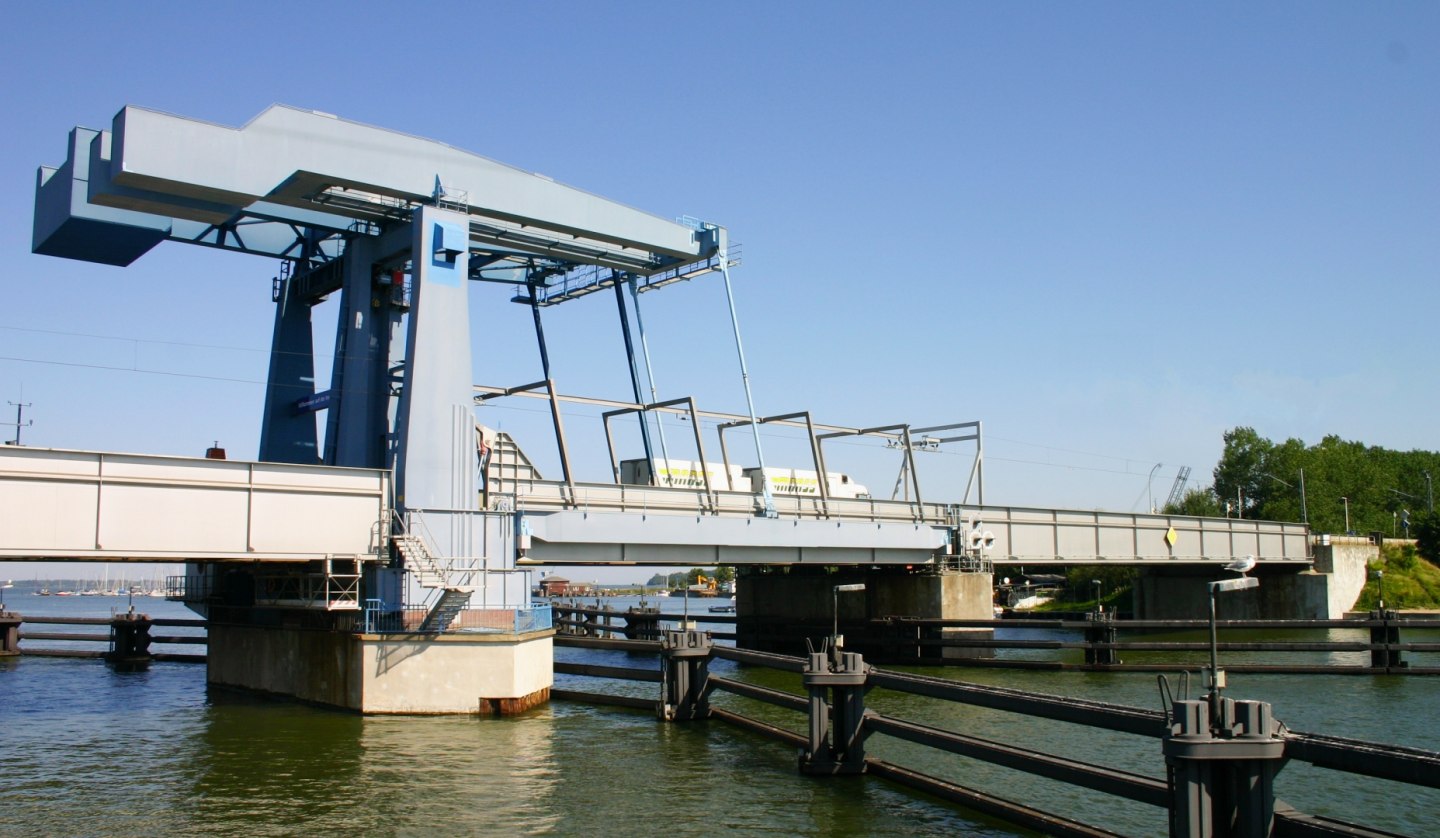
(383, 564)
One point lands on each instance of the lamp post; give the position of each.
(1429, 492)
(1380, 578)
(1217, 675)
(838, 641)
(9, 583)
(1346, 501)
(1099, 586)
(1149, 485)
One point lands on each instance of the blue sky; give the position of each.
(1110, 231)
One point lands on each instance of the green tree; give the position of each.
(1239, 474)
(1262, 480)
(1426, 528)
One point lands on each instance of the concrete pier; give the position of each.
(1325, 592)
(462, 672)
(779, 609)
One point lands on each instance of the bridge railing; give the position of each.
(77, 637)
(1213, 774)
(378, 618)
(1377, 645)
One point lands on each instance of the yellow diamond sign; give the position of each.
(1171, 537)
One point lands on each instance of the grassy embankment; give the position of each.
(1411, 582)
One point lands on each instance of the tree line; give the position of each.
(1377, 487)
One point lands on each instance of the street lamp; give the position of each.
(1380, 577)
(1217, 675)
(1099, 606)
(1149, 485)
(1429, 491)
(9, 583)
(1346, 501)
(835, 612)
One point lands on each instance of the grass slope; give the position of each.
(1411, 583)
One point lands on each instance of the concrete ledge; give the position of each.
(455, 673)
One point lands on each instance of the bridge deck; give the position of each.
(605, 523)
(99, 506)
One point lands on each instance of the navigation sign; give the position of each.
(310, 404)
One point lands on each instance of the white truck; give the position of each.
(690, 474)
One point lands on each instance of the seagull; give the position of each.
(1242, 566)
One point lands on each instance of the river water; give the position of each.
(85, 750)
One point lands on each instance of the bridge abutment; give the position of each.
(780, 608)
(1325, 591)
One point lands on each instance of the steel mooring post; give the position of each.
(836, 743)
(1100, 629)
(129, 640)
(1223, 770)
(642, 624)
(1386, 635)
(9, 634)
(684, 670)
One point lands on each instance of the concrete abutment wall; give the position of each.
(779, 610)
(1325, 592)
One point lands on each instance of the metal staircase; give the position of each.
(430, 574)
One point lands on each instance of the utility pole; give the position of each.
(20, 413)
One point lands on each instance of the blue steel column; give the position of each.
(287, 433)
(358, 422)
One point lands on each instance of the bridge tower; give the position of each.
(386, 220)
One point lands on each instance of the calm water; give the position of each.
(85, 750)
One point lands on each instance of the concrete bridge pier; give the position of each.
(779, 609)
(1325, 590)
